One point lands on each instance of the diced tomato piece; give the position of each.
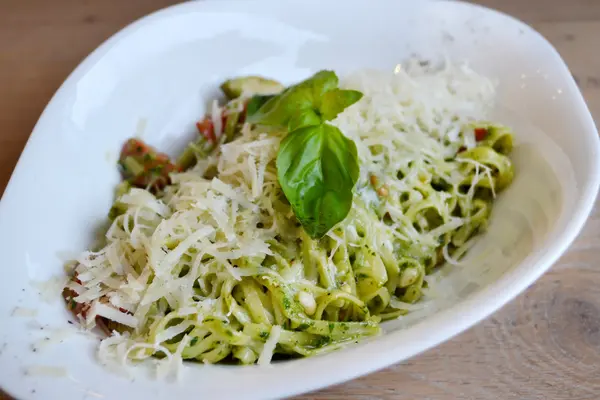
(144, 167)
(133, 147)
(161, 158)
(75, 307)
(207, 129)
(480, 134)
(156, 175)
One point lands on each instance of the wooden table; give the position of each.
(543, 345)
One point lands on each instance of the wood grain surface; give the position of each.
(543, 345)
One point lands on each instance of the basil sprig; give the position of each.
(317, 166)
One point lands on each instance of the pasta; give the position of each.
(214, 266)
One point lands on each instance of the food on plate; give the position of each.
(298, 220)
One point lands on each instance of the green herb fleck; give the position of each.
(323, 341)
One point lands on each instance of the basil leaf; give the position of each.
(317, 167)
(255, 103)
(337, 100)
(302, 119)
(319, 84)
(296, 100)
(278, 110)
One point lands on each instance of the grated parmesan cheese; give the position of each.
(269, 347)
(46, 370)
(114, 315)
(162, 252)
(24, 312)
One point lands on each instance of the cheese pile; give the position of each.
(218, 222)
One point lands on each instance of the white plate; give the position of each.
(154, 77)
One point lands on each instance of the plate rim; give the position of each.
(474, 309)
